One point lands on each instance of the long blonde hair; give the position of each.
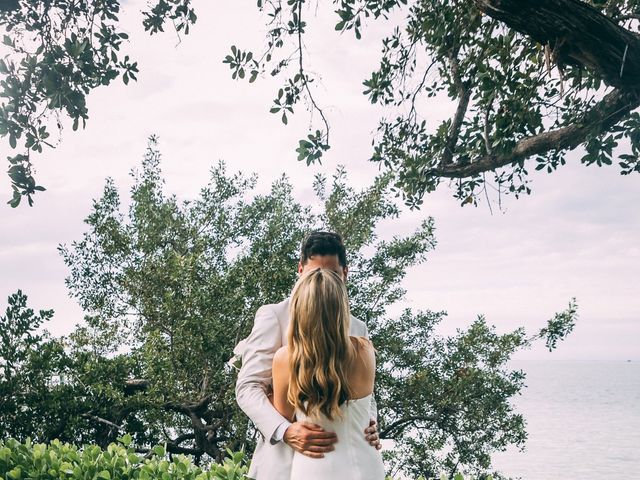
(320, 351)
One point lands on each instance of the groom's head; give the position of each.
(323, 250)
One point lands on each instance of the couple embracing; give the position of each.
(307, 377)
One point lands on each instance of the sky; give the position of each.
(577, 235)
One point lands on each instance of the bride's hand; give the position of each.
(309, 439)
(371, 434)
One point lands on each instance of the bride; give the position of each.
(326, 377)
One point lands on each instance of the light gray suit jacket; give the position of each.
(271, 460)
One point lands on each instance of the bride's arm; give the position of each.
(280, 372)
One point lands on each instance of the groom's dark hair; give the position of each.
(323, 243)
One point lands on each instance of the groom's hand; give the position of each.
(371, 434)
(309, 439)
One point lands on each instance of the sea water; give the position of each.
(583, 421)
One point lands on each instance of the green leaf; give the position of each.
(158, 450)
(126, 440)
(16, 473)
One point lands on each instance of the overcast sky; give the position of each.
(577, 235)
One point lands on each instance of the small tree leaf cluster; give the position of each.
(58, 52)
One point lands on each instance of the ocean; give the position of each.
(583, 421)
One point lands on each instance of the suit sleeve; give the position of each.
(254, 377)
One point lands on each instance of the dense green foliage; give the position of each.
(29, 362)
(59, 461)
(62, 461)
(170, 287)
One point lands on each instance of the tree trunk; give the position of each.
(577, 33)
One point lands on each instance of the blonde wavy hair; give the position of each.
(320, 351)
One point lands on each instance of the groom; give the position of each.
(274, 450)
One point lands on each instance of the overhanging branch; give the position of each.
(601, 117)
(464, 95)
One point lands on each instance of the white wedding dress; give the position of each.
(353, 457)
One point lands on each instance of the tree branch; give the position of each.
(101, 420)
(579, 34)
(464, 93)
(389, 429)
(181, 438)
(303, 76)
(133, 385)
(631, 16)
(601, 117)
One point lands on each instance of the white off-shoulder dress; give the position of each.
(353, 457)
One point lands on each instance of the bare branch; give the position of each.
(392, 428)
(304, 77)
(95, 418)
(135, 384)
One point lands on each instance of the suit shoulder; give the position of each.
(357, 320)
(274, 311)
(281, 306)
(359, 328)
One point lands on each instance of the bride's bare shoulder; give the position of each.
(364, 349)
(281, 357)
(362, 342)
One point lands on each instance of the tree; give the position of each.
(532, 81)
(58, 388)
(58, 52)
(30, 367)
(170, 287)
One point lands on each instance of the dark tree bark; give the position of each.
(577, 33)
(610, 110)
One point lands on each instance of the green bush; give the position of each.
(59, 460)
(63, 461)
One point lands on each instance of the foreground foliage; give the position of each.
(62, 461)
(118, 461)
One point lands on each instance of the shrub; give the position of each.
(62, 461)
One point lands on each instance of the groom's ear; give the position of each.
(345, 271)
(300, 267)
